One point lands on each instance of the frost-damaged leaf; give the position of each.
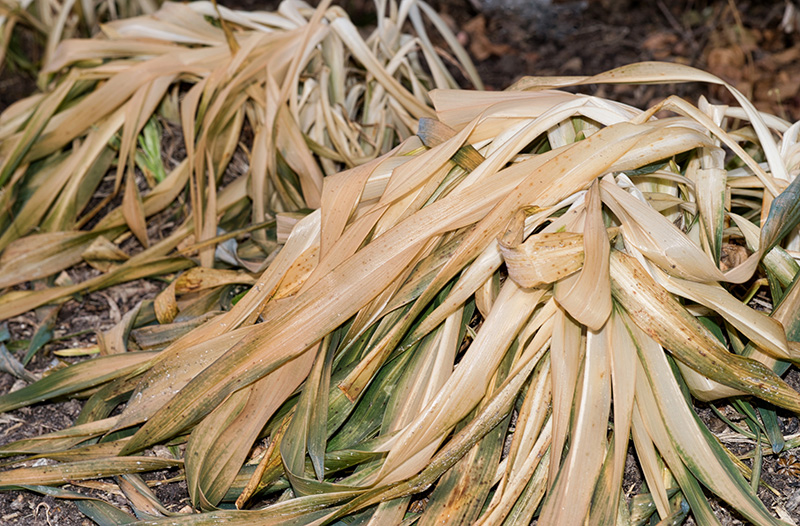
(284, 336)
(528, 452)
(567, 351)
(494, 412)
(571, 169)
(427, 372)
(622, 361)
(142, 498)
(587, 296)
(84, 469)
(571, 493)
(303, 511)
(40, 118)
(40, 255)
(77, 378)
(114, 340)
(310, 417)
(464, 389)
(786, 312)
(546, 179)
(218, 447)
(659, 315)
(103, 255)
(98, 510)
(657, 238)
(777, 260)
(710, 183)
(133, 210)
(185, 358)
(645, 416)
(345, 29)
(12, 304)
(194, 280)
(762, 330)
(58, 440)
(424, 376)
(103, 513)
(651, 463)
(696, 446)
(543, 258)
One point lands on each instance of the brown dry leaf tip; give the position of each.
(394, 328)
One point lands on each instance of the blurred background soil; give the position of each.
(753, 45)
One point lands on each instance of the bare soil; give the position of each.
(743, 42)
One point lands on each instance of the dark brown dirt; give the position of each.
(75, 326)
(741, 41)
(25, 508)
(17, 72)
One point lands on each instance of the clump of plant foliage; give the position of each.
(577, 265)
(299, 91)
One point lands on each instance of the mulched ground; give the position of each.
(754, 45)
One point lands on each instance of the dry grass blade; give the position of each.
(571, 492)
(607, 498)
(87, 469)
(593, 309)
(77, 378)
